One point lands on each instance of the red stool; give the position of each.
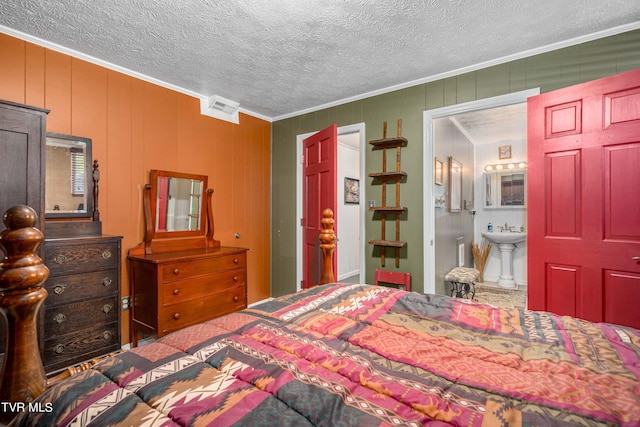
(393, 277)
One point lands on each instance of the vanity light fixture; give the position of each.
(502, 166)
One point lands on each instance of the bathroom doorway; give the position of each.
(461, 118)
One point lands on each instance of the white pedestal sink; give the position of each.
(506, 242)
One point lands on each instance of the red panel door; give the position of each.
(319, 192)
(584, 200)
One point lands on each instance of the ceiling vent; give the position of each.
(220, 108)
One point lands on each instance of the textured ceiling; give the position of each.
(278, 57)
(500, 124)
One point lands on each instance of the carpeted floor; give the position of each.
(489, 293)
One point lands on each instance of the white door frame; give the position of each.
(359, 127)
(428, 204)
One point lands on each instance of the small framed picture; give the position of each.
(504, 152)
(351, 191)
(438, 169)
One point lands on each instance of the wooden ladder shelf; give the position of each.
(389, 177)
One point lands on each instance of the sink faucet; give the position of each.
(506, 227)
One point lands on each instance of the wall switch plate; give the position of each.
(126, 303)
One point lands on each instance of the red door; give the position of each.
(584, 200)
(319, 192)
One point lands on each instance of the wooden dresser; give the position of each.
(82, 311)
(180, 275)
(172, 290)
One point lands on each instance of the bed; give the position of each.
(361, 355)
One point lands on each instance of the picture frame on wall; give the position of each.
(504, 152)
(351, 191)
(438, 171)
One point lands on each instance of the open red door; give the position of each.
(584, 200)
(319, 192)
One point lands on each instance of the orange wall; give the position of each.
(136, 126)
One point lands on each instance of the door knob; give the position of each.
(636, 258)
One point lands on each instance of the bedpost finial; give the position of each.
(327, 245)
(20, 216)
(22, 268)
(327, 235)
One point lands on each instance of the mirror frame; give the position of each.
(88, 175)
(455, 205)
(153, 182)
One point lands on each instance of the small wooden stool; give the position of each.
(462, 281)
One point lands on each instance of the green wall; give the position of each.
(549, 71)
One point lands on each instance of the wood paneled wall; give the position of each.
(136, 126)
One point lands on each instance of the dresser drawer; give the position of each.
(66, 289)
(62, 350)
(178, 292)
(78, 257)
(182, 270)
(207, 307)
(67, 318)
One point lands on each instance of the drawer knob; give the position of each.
(60, 259)
(60, 318)
(176, 316)
(106, 335)
(58, 349)
(235, 278)
(59, 289)
(236, 260)
(106, 308)
(176, 271)
(106, 281)
(235, 298)
(106, 254)
(176, 291)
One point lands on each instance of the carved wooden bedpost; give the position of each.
(22, 275)
(327, 244)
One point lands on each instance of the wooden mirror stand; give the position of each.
(156, 241)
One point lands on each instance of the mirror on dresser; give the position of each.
(68, 183)
(177, 205)
(179, 202)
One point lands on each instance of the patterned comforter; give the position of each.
(360, 355)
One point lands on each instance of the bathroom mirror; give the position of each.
(68, 180)
(505, 189)
(179, 206)
(455, 185)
